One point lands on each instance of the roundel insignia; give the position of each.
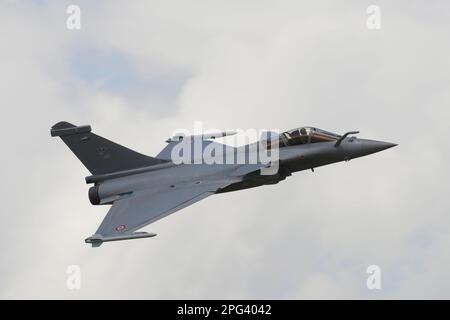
(104, 152)
(122, 227)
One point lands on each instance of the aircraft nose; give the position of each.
(372, 146)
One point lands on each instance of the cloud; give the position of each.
(136, 73)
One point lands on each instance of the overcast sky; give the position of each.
(136, 72)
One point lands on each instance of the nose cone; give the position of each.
(372, 146)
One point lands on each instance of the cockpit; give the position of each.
(306, 135)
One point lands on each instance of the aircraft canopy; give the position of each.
(306, 135)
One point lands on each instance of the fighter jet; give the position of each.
(143, 189)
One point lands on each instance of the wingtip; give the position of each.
(96, 240)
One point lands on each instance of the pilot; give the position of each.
(304, 136)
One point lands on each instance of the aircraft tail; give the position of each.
(99, 155)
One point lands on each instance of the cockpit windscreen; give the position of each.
(306, 135)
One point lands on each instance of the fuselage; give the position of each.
(295, 153)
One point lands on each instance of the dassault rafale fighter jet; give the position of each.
(143, 189)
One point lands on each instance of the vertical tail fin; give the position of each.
(99, 155)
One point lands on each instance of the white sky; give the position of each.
(137, 72)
